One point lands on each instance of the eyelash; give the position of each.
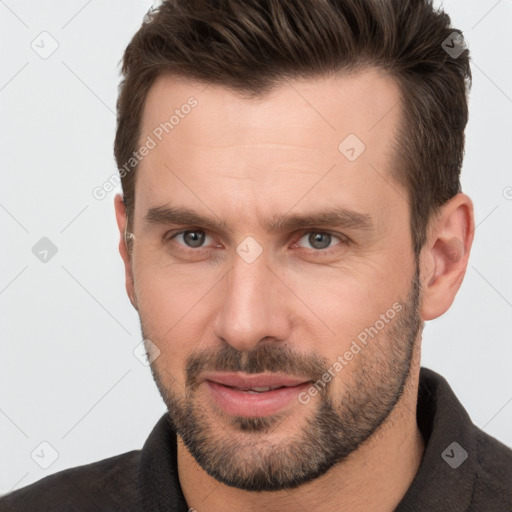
(344, 240)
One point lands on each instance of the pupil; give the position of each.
(315, 239)
(193, 239)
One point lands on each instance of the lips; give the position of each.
(257, 382)
(253, 395)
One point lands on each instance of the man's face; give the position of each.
(331, 301)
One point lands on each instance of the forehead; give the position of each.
(345, 103)
(325, 139)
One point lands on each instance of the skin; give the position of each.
(243, 160)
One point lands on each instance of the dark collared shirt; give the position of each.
(462, 469)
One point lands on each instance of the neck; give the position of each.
(374, 477)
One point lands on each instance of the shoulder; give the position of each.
(493, 479)
(108, 484)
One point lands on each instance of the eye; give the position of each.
(196, 239)
(321, 240)
(193, 238)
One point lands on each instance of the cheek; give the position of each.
(166, 291)
(346, 304)
(173, 308)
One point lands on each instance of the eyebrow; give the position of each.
(340, 217)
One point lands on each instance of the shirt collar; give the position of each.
(445, 478)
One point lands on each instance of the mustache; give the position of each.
(264, 358)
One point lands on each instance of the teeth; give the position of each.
(261, 390)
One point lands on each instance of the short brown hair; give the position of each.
(251, 46)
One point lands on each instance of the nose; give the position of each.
(254, 306)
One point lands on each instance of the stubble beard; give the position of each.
(251, 453)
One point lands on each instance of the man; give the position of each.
(291, 216)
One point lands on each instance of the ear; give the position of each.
(123, 248)
(444, 257)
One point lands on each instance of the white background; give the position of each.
(68, 374)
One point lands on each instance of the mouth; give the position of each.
(253, 395)
(258, 390)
